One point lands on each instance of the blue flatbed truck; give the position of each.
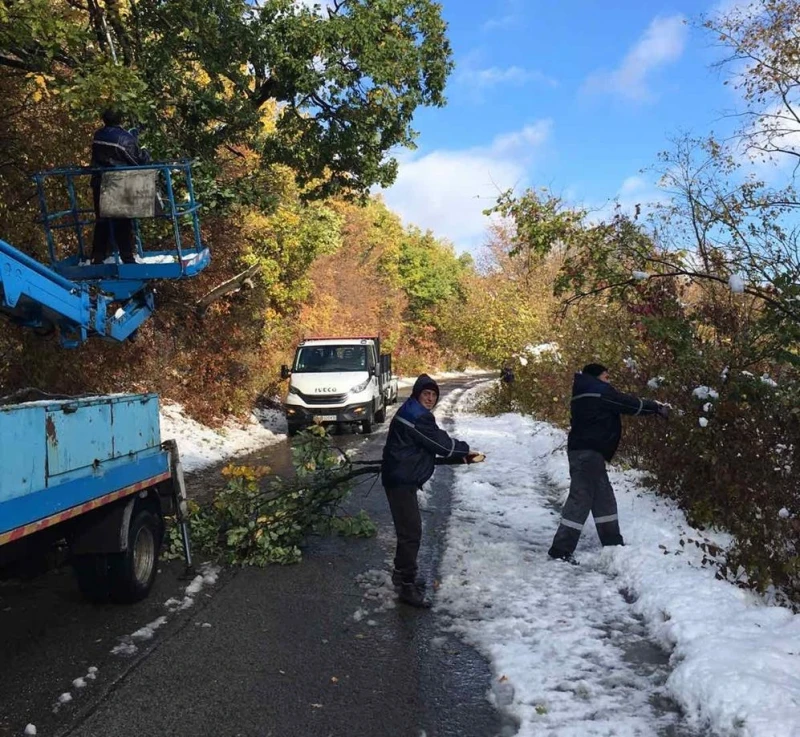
(93, 472)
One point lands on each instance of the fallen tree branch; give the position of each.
(230, 286)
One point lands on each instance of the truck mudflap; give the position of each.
(55, 519)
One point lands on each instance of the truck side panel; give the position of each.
(76, 439)
(57, 504)
(90, 433)
(22, 452)
(80, 449)
(140, 428)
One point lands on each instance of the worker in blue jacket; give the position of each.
(112, 146)
(595, 432)
(409, 456)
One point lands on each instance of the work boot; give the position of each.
(397, 581)
(414, 596)
(560, 555)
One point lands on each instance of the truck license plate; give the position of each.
(324, 418)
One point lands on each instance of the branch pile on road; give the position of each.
(258, 519)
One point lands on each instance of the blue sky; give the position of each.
(575, 95)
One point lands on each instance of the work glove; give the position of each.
(474, 457)
(663, 411)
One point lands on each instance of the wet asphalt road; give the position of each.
(283, 655)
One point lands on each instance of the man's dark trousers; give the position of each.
(110, 232)
(589, 491)
(408, 526)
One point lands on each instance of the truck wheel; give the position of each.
(91, 572)
(366, 425)
(292, 430)
(132, 573)
(380, 415)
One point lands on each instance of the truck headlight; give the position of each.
(360, 387)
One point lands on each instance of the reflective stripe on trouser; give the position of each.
(589, 491)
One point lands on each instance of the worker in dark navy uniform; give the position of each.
(112, 145)
(595, 432)
(409, 456)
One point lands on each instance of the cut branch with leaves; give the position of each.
(256, 520)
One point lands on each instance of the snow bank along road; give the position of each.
(566, 643)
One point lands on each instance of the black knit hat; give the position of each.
(594, 369)
(424, 382)
(112, 116)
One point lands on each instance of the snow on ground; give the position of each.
(571, 655)
(407, 381)
(127, 645)
(202, 446)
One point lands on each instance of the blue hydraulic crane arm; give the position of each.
(36, 296)
(21, 276)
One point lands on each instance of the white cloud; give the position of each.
(662, 43)
(509, 17)
(446, 191)
(480, 79)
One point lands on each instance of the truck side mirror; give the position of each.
(285, 373)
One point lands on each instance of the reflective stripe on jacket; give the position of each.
(112, 145)
(413, 442)
(595, 415)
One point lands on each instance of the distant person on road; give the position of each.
(409, 456)
(112, 146)
(593, 438)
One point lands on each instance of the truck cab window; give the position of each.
(330, 358)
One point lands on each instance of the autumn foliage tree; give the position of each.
(281, 106)
(696, 305)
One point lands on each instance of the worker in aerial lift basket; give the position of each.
(112, 146)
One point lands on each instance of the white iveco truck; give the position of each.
(339, 380)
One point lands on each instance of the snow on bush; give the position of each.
(655, 382)
(539, 352)
(705, 392)
(736, 284)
